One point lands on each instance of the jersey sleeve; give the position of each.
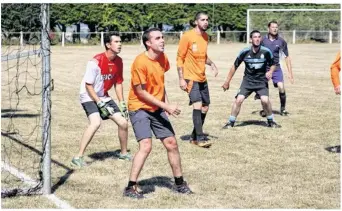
(182, 50)
(239, 59)
(269, 58)
(139, 74)
(335, 70)
(285, 49)
(119, 76)
(92, 70)
(167, 64)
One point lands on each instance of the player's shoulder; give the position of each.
(118, 59)
(141, 59)
(281, 39)
(244, 50)
(265, 49)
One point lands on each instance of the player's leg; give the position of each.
(162, 129)
(204, 89)
(122, 131)
(278, 82)
(142, 130)
(242, 94)
(94, 122)
(266, 104)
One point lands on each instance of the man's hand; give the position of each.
(182, 84)
(337, 90)
(214, 69)
(225, 86)
(291, 79)
(268, 75)
(123, 109)
(172, 110)
(105, 109)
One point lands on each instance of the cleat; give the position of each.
(228, 125)
(272, 124)
(183, 188)
(133, 192)
(284, 113)
(204, 144)
(78, 162)
(127, 156)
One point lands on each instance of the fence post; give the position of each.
(180, 34)
(141, 39)
(330, 36)
(102, 39)
(294, 36)
(218, 36)
(21, 39)
(63, 39)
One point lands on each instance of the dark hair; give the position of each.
(254, 31)
(146, 35)
(269, 24)
(197, 16)
(108, 38)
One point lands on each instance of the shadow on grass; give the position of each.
(62, 179)
(273, 111)
(188, 137)
(100, 156)
(149, 185)
(334, 149)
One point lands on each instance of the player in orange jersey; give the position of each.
(148, 104)
(335, 73)
(191, 60)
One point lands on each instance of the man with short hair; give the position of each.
(149, 108)
(256, 58)
(335, 69)
(278, 46)
(102, 73)
(191, 60)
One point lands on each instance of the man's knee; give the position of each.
(145, 146)
(239, 100)
(281, 87)
(264, 100)
(170, 143)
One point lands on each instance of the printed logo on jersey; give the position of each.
(194, 47)
(262, 56)
(106, 77)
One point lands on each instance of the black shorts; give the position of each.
(198, 92)
(144, 121)
(91, 107)
(246, 90)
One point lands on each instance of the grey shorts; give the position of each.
(91, 107)
(144, 121)
(198, 92)
(247, 90)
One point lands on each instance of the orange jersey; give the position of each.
(192, 55)
(151, 73)
(335, 70)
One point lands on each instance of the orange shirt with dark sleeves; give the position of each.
(192, 55)
(335, 70)
(151, 73)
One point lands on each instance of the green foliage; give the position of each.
(138, 17)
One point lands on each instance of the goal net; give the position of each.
(298, 25)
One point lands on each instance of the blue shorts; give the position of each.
(277, 76)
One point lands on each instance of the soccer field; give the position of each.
(248, 166)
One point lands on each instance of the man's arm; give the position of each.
(147, 97)
(270, 72)
(230, 75)
(91, 92)
(166, 100)
(289, 68)
(335, 74)
(213, 66)
(181, 54)
(119, 91)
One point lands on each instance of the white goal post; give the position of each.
(284, 10)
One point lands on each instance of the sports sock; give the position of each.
(232, 119)
(179, 180)
(131, 183)
(197, 120)
(282, 97)
(270, 117)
